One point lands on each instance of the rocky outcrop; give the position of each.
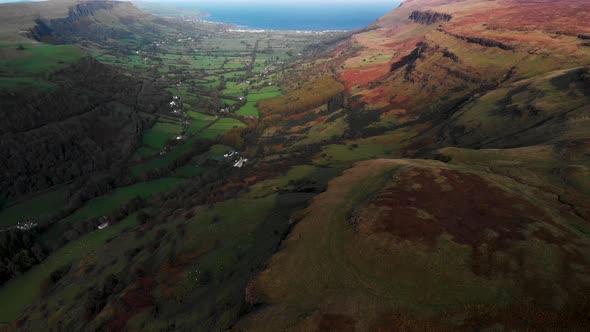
(409, 61)
(52, 30)
(485, 42)
(429, 17)
(450, 55)
(584, 37)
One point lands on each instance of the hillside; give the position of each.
(498, 92)
(430, 172)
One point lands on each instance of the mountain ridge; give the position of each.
(461, 90)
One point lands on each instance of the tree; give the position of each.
(24, 260)
(142, 217)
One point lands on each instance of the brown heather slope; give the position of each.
(403, 61)
(495, 233)
(410, 245)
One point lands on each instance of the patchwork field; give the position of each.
(199, 122)
(249, 109)
(220, 127)
(106, 204)
(163, 131)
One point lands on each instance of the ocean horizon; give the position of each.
(290, 16)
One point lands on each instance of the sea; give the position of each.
(292, 16)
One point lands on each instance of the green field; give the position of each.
(189, 171)
(234, 74)
(37, 206)
(22, 83)
(233, 89)
(29, 68)
(266, 89)
(23, 291)
(249, 109)
(199, 121)
(37, 60)
(328, 130)
(217, 151)
(103, 205)
(210, 85)
(227, 45)
(363, 149)
(220, 127)
(107, 203)
(132, 61)
(252, 96)
(158, 136)
(146, 151)
(162, 161)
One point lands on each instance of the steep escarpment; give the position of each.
(429, 17)
(91, 122)
(79, 23)
(485, 42)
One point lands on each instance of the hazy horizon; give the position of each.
(290, 15)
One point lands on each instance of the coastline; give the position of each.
(301, 19)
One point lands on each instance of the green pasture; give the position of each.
(36, 206)
(220, 127)
(249, 109)
(25, 290)
(157, 136)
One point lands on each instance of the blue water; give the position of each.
(305, 16)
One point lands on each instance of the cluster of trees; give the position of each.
(86, 188)
(22, 249)
(80, 227)
(87, 124)
(97, 297)
(19, 251)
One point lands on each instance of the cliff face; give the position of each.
(429, 17)
(67, 29)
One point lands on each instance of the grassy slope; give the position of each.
(220, 127)
(234, 223)
(107, 203)
(361, 274)
(354, 278)
(40, 205)
(28, 68)
(163, 131)
(25, 290)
